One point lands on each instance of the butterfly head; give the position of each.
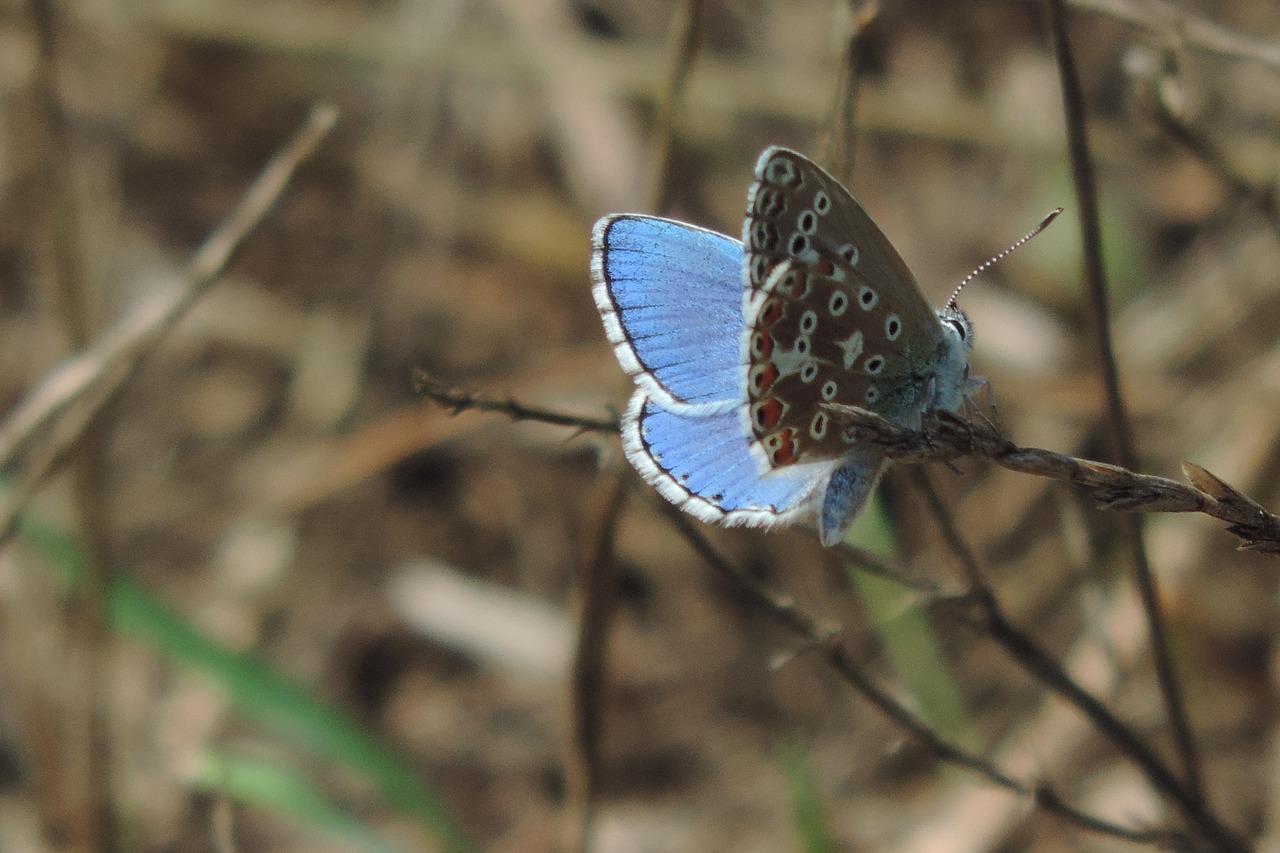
(956, 328)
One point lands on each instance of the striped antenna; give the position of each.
(990, 262)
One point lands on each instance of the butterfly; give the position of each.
(743, 352)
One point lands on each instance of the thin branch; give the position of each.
(97, 821)
(1121, 429)
(783, 610)
(686, 34)
(993, 622)
(947, 437)
(837, 148)
(596, 570)
(1165, 19)
(97, 375)
(596, 593)
(874, 564)
(1200, 145)
(461, 401)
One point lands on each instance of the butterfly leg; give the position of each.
(846, 493)
(972, 384)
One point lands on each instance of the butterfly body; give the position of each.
(744, 353)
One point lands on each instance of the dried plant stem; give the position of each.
(1164, 19)
(596, 604)
(1120, 428)
(836, 152)
(96, 822)
(89, 382)
(686, 34)
(596, 582)
(461, 401)
(1195, 140)
(992, 621)
(834, 655)
(95, 376)
(947, 437)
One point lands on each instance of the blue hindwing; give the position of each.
(703, 464)
(846, 492)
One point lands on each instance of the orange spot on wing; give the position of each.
(785, 453)
(767, 377)
(767, 413)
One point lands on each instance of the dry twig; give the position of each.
(1119, 426)
(835, 655)
(947, 436)
(93, 378)
(460, 401)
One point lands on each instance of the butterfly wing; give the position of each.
(823, 334)
(797, 210)
(703, 465)
(670, 295)
(846, 492)
(833, 315)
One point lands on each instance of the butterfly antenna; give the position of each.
(990, 262)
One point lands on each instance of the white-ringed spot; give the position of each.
(799, 245)
(850, 254)
(808, 222)
(770, 202)
(818, 426)
(829, 390)
(867, 297)
(892, 327)
(872, 396)
(821, 203)
(838, 303)
(762, 376)
(783, 171)
(759, 269)
(873, 365)
(763, 235)
(770, 313)
(808, 322)
(809, 372)
(802, 345)
(761, 345)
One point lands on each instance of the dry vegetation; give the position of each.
(262, 594)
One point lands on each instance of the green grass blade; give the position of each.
(281, 791)
(912, 646)
(806, 806)
(259, 691)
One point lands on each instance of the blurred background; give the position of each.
(336, 616)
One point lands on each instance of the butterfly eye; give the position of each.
(961, 331)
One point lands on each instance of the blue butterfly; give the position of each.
(743, 353)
